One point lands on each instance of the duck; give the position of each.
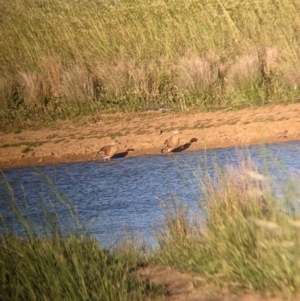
(108, 151)
(171, 143)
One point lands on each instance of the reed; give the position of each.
(58, 261)
(248, 241)
(61, 60)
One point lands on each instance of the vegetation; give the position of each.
(62, 261)
(72, 268)
(63, 59)
(247, 241)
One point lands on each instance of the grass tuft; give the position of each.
(62, 261)
(248, 241)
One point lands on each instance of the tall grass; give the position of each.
(61, 59)
(55, 262)
(249, 240)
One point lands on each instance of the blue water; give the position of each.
(128, 195)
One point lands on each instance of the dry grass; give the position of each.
(63, 59)
(250, 236)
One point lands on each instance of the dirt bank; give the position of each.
(145, 133)
(180, 286)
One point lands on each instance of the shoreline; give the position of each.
(145, 133)
(75, 158)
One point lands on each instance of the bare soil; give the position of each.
(144, 134)
(179, 286)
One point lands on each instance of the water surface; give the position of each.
(128, 194)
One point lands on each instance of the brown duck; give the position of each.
(171, 143)
(108, 151)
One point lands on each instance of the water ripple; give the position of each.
(125, 194)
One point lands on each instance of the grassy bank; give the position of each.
(248, 242)
(72, 268)
(63, 59)
(58, 259)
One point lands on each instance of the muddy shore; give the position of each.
(144, 133)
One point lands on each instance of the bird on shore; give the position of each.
(108, 151)
(172, 142)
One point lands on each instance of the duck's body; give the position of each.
(171, 143)
(108, 151)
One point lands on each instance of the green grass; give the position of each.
(72, 268)
(249, 240)
(27, 149)
(63, 60)
(17, 131)
(62, 261)
(18, 144)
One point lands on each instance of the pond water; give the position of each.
(127, 195)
